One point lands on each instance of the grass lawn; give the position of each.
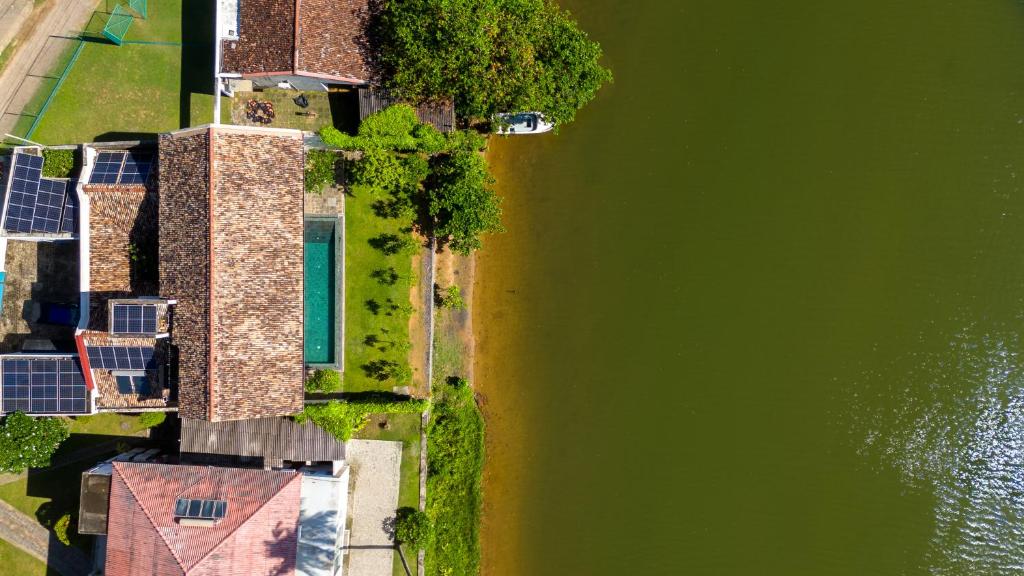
(135, 90)
(404, 428)
(48, 495)
(18, 563)
(372, 308)
(90, 430)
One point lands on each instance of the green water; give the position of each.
(319, 291)
(759, 311)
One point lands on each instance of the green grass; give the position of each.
(48, 495)
(132, 91)
(455, 453)
(7, 52)
(88, 430)
(361, 259)
(404, 428)
(18, 563)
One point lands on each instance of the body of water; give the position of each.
(759, 310)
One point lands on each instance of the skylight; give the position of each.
(200, 509)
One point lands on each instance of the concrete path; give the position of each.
(375, 467)
(37, 54)
(27, 534)
(13, 14)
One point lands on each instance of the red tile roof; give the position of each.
(258, 536)
(319, 38)
(231, 214)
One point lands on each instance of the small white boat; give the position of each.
(522, 123)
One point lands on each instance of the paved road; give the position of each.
(37, 55)
(25, 533)
(376, 467)
(12, 15)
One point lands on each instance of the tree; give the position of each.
(452, 298)
(412, 527)
(462, 201)
(324, 381)
(27, 442)
(490, 55)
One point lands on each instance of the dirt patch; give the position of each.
(456, 326)
(37, 272)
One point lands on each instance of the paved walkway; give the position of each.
(27, 534)
(37, 54)
(376, 467)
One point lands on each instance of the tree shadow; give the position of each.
(127, 137)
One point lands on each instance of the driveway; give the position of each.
(375, 472)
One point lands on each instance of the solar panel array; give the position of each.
(122, 168)
(38, 204)
(43, 386)
(121, 357)
(134, 319)
(69, 223)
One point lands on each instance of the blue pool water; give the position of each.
(319, 296)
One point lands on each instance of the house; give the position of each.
(231, 257)
(190, 520)
(304, 45)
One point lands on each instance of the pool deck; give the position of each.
(331, 204)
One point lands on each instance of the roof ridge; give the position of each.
(214, 548)
(117, 466)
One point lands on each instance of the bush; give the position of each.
(152, 419)
(452, 299)
(455, 460)
(342, 419)
(463, 202)
(61, 529)
(395, 128)
(58, 163)
(320, 169)
(412, 527)
(324, 381)
(27, 442)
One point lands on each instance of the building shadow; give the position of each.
(197, 37)
(127, 137)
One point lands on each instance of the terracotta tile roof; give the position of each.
(121, 219)
(330, 41)
(231, 213)
(258, 535)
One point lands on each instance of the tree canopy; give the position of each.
(462, 201)
(27, 442)
(492, 56)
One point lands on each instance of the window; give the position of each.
(198, 508)
(132, 384)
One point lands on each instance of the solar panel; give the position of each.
(43, 385)
(49, 205)
(134, 319)
(24, 190)
(69, 214)
(108, 168)
(121, 357)
(136, 168)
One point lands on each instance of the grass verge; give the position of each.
(373, 309)
(19, 563)
(455, 459)
(404, 428)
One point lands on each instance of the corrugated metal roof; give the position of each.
(268, 438)
(440, 114)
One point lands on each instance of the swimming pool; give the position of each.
(322, 283)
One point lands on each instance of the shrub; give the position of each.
(27, 442)
(395, 128)
(344, 418)
(455, 459)
(61, 529)
(152, 419)
(324, 381)
(412, 527)
(320, 169)
(58, 163)
(463, 202)
(452, 299)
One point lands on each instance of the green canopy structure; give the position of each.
(117, 25)
(139, 6)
